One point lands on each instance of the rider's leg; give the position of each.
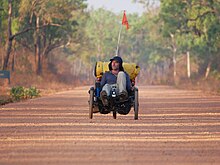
(121, 81)
(106, 89)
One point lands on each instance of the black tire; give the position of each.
(114, 114)
(91, 101)
(136, 104)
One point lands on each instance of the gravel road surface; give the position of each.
(174, 127)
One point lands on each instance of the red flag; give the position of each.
(125, 21)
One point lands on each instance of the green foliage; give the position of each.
(20, 93)
(216, 74)
(3, 21)
(61, 16)
(195, 26)
(102, 30)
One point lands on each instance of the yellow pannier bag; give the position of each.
(131, 68)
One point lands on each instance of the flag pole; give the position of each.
(124, 22)
(119, 37)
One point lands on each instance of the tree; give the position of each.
(3, 28)
(55, 25)
(50, 29)
(102, 29)
(197, 23)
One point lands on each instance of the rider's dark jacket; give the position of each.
(110, 78)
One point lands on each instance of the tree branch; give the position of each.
(51, 47)
(202, 15)
(31, 28)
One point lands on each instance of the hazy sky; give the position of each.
(116, 6)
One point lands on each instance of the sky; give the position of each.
(117, 6)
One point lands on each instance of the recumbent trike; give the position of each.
(115, 105)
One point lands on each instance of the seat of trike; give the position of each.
(131, 69)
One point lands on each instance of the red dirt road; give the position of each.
(174, 127)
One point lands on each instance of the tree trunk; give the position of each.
(208, 69)
(188, 65)
(13, 63)
(38, 64)
(174, 64)
(13, 57)
(10, 39)
(8, 52)
(174, 49)
(2, 58)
